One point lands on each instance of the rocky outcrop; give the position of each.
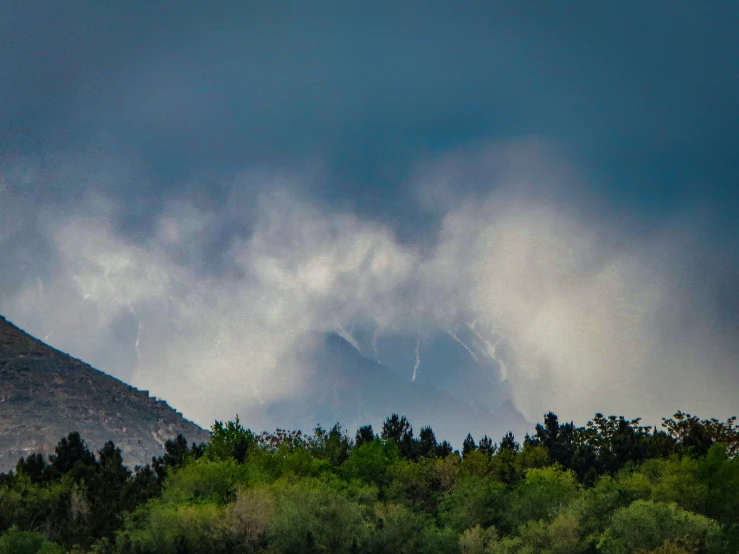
(46, 394)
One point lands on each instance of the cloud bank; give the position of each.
(213, 306)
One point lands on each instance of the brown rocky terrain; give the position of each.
(46, 394)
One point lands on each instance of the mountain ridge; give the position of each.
(352, 389)
(46, 394)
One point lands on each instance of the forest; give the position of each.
(612, 486)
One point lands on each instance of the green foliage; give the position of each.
(542, 494)
(610, 487)
(695, 436)
(397, 529)
(76, 498)
(560, 536)
(333, 445)
(229, 440)
(176, 453)
(397, 429)
(419, 484)
(310, 519)
(477, 540)
(248, 519)
(371, 462)
(645, 524)
(437, 540)
(205, 482)
(166, 528)
(474, 502)
(14, 541)
(721, 475)
(679, 482)
(364, 434)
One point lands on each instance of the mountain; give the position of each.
(349, 388)
(465, 359)
(46, 394)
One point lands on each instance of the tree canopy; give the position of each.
(611, 486)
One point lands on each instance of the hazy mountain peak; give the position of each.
(353, 389)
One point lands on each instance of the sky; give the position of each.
(188, 193)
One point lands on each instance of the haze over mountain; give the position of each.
(345, 387)
(46, 394)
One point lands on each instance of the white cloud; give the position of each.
(593, 326)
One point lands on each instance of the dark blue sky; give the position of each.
(644, 96)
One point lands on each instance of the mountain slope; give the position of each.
(467, 360)
(354, 390)
(45, 394)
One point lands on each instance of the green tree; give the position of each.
(468, 445)
(508, 442)
(487, 446)
(229, 440)
(475, 501)
(34, 467)
(542, 494)
(333, 446)
(645, 525)
(308, 519)
(15, 541)
(398, 430)
(371, 462)
(427, 445)
(396, 529)
(477, 540)
(72, 456)
(364, 434)
(249, 518)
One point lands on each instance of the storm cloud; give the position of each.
(592, 323)
(188, 195)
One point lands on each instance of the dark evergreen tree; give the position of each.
(395, 428)
(486, 446)
(698, 441)
(231, 440)
(144, 485)
(444, 449)
(628, 444)
(468, 445)
(333, 445)
(71, 455)
(32, 466)
(108, 493)
(398, 430)
(660, 445)
(364, 434)
(559, 440)
(427, 442)
(175, 454)
(509, 442)
(175, 451)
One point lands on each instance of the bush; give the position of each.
(645, 524)
(14, 541)
(542, 494)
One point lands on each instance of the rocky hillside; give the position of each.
(45, 394)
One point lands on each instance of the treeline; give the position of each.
(612, 486)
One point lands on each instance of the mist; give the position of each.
(214, 306)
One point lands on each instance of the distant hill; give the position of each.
(354, 390)
(45, 394)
